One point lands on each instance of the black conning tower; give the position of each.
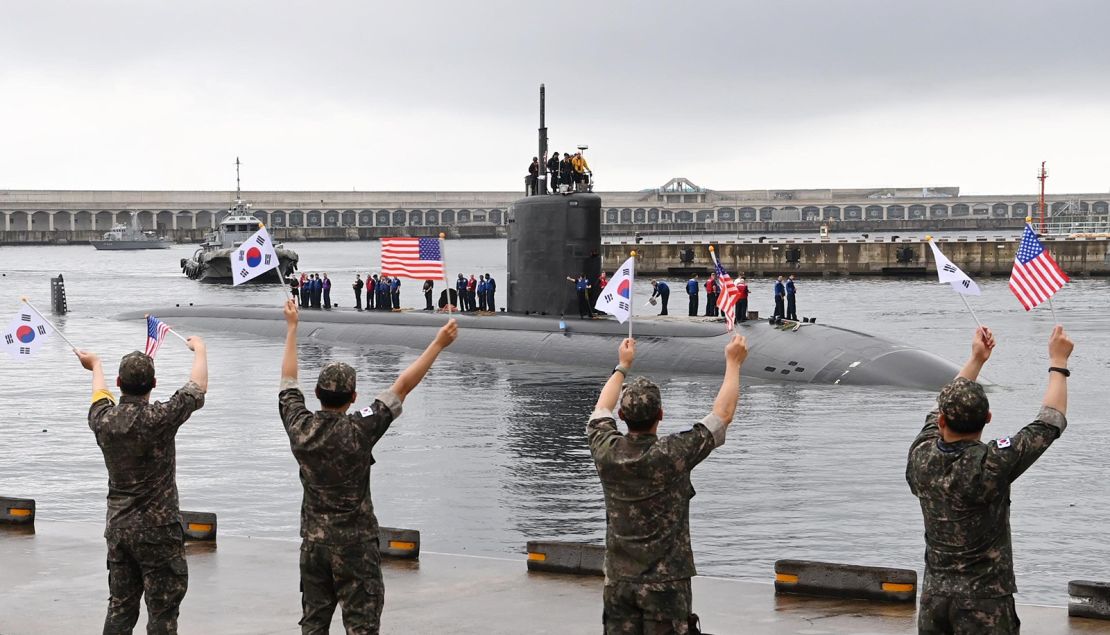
(550, 238)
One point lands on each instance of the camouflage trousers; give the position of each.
(647, 608)
(956, 616)
(350, 575)
(146, 561)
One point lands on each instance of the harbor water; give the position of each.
(490, 454)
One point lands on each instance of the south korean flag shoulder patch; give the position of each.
(1004, 442)
(367, 411)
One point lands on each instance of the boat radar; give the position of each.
(552, 236)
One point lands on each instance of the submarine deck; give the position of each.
(55, 581)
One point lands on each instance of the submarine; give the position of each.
(551, 236)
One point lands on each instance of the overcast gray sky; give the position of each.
(417, 95)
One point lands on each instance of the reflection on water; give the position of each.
(490, 454)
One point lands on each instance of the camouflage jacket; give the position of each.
(334, 454)
(137, 439)
(647, 487)
(964, 491)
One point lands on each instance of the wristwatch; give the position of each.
(1063, 371)
(620, 369)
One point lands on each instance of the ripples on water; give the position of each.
(490, 454)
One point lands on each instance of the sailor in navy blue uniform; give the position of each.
(692, 291)
(661, 291)
(791, 305)
(780, 292)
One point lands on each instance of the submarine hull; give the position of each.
(816, 353)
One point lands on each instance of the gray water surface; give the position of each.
(490, 454)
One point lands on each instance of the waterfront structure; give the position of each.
(677, 204)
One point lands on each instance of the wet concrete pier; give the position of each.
(55, 581)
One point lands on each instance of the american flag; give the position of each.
(155, 332)
(419, 258)
(727, 295)
(1036, 276)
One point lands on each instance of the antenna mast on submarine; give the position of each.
(541, 180)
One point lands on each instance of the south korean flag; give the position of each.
(953, 275)
(616, 297)
(253, 258)
(25, 334)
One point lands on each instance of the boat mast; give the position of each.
(542, 177)
(1041, 177)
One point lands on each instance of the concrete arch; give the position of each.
(830, 212)
(612, 216)
(1100, 207)
(19, 221)
(960, 209)
(626, 215)
(366, 218)
(278, 218)
(163, 221)
(853, 212)
(448, 217)
(84, 220)
(382, 218)
(478, 216)
(653, 215)
(980, 209)
(748, 214)
(938, 211)
(296, 218)
(431, 217)
(684, 216)
(314, 218)
(416, 217)
(896, 212)
(41, 221)
(918, 211)
(874, 212)
(496, 216)
(102, 221)
(330, 218)
(463, 216)
(350, 218)
(706, 215)
(666, 216)
(145, 219)
(639, 215)
(1019, 210)
(1000, 210)
(766, 213)
(811, 212)
(399, 217)
(726, 215)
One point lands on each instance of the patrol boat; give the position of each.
(121, 238)
(212, 260)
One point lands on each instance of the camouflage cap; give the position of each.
(336, 377)
(640, 401)
(964, 402)
(136, 369)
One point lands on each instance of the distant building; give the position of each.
(678, 202)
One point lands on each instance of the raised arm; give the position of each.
(412, 375)
(1059, 351)
(289, 357)
(199, 373)
(90, 361)
(626, 354)
(724, 406)
(982, 344)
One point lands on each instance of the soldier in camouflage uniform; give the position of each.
(646, 479)
(340, 558)
(146, 551)
(963, 486)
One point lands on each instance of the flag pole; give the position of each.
(42, 317)
(964, 298)
(1053, 307)
(446, 283)
(630, 305)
